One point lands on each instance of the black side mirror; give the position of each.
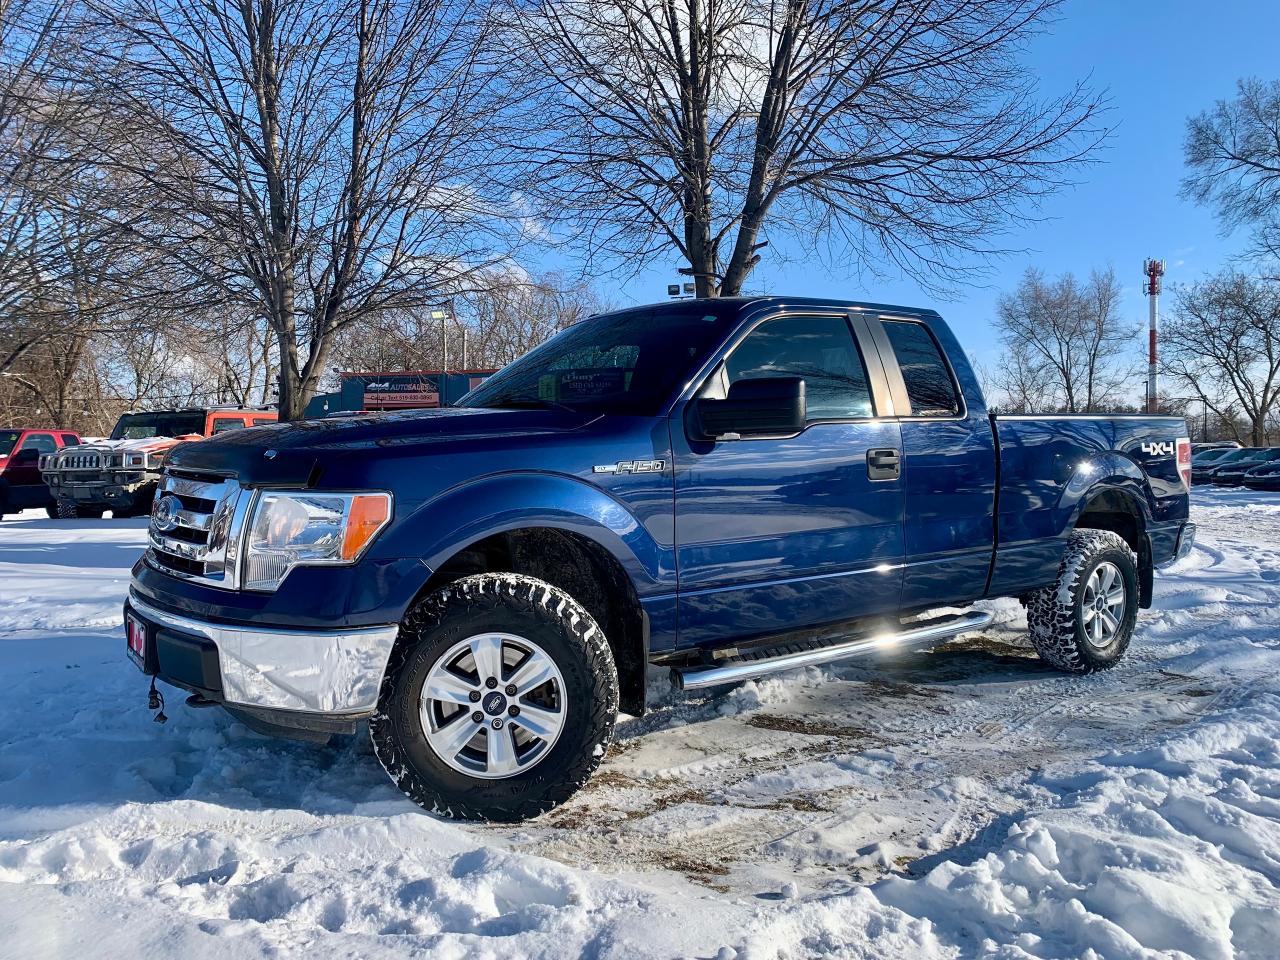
(29, 455)
(760, 407)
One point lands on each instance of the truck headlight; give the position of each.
(295, 528)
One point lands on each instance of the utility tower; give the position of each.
(1153, 270)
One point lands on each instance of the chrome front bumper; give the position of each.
(333, 672)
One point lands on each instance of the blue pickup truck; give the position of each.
(728, 488)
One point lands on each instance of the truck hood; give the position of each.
(290, 453)
(140, 445)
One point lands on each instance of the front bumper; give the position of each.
(98, 492)
(334, 674)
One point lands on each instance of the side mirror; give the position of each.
(761, 407)
(29, 455)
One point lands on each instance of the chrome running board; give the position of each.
(699, 676)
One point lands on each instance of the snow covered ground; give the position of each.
(961, 802)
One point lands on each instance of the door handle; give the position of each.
(884, 464)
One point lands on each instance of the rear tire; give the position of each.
(495, 627)
(1083, 622)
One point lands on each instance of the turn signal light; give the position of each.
(368, 513)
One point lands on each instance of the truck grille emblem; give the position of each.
(165, 515)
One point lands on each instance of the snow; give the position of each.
(951, 803)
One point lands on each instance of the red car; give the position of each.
(21, 486)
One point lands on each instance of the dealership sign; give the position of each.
(400, 391)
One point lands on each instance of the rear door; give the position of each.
(781, 534)
(949, 465)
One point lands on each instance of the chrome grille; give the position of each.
(203, 542)
(79, 461)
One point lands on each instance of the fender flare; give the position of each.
(1107, 473)
(1114, 473)
(438, 528)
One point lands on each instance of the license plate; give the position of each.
(136, 635)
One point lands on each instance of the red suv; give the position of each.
(21, 486)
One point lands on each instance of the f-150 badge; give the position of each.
(631, 466)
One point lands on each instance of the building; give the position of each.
(395, 390)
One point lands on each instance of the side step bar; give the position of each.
(697, 677)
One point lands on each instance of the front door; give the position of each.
(26, 486)
(781, 534)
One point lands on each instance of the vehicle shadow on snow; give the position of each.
(84, 556)
(80, 733)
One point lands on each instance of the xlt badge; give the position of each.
(631, 466)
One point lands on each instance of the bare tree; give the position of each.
(1065, 341)
(903, 131)
(333, 154)
(1023, 380)
(1232, 153)
(1222, 343)
(505, 313)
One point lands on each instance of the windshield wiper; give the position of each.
(529, 403)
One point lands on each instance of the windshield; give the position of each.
(627, 363)
(7, 440)
(140, 426)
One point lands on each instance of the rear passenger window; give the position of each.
(930, 388)
(819, 349)
(225, 424)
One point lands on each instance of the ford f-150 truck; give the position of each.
(120, 473)
(726, 487)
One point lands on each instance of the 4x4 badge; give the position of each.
(1158, 449)
(631, 466)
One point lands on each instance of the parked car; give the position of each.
(729, 488)
(1264, 477)
(1202, 472)
(1202, 457)
(21, 486)
(120, 474)
(1232, 474)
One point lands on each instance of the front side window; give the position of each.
(223, 424)
(821, 351)
(930, 388)
(39, 441)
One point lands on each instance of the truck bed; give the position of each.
(1048, 463)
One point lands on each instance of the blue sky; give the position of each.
(1160, 63)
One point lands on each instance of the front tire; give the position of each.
(1083, 622)
(70, 510)
(531, 663)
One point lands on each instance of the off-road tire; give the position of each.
(500, 603)
(1055, 613)
(70, 510)
(52, 512)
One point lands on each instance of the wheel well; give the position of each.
(1118, 512)
(583, 569)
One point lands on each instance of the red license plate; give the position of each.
(136, 634)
